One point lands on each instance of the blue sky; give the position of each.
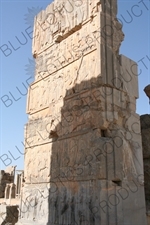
(15, 24)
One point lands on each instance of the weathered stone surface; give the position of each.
(54, 24)
(83, 151)
(5, 178)
(145, 130)
(85, 202)
(129, 75)
(8, 214)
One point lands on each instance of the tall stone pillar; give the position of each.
(83, 154)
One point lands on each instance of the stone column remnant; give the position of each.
(83, 153)
(147, 91)
(145, 130)
(6, 177)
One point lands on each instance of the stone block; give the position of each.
(129, 76)
(83, 154)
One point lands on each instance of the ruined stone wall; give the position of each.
(83, 160)
(5, 178)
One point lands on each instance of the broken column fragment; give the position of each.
(147, 91)
(85, 161)
(6, 177)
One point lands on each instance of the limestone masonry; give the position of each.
(83, 153)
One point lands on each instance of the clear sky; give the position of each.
(16, 20)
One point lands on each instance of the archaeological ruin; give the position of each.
(83, 152)
(11, 181)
